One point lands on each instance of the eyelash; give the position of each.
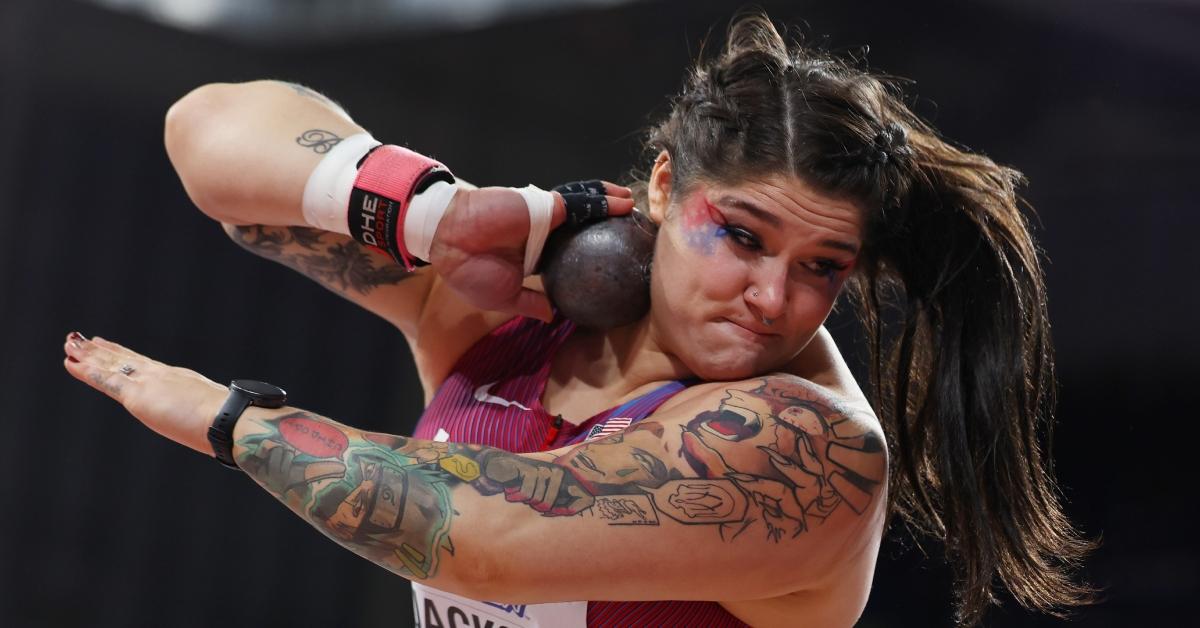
(744, 238)
(823, 268)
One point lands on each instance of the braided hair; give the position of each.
(961, 360)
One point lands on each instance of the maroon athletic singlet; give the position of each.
(493, 397)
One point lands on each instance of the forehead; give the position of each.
(793, 207)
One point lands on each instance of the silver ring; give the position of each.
(126, 369)
(756, 294)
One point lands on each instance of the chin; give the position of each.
(728, 368)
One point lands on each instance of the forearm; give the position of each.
(244, 151)
(389, 499)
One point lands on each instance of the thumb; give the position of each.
(533, 304)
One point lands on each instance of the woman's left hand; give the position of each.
(175, 402)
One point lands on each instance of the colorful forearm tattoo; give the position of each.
(769, 463)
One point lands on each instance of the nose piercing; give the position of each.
(766, 321)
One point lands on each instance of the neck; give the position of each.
(621, 360)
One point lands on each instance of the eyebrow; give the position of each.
(774, 221)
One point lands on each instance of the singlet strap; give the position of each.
(635, 409)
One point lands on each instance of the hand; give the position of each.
(175, 402)
(479, 247)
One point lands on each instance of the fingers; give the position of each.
(619, 206)
(615, 206)
(582, 202)
(595, 186)
(618, 191)
(103, 365)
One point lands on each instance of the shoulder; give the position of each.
(773, 413)
(788, 395)
(812, 463)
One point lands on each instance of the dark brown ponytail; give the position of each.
(949, 289)
(964, 377)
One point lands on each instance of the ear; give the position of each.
(658, 192)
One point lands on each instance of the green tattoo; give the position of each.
(769, 462)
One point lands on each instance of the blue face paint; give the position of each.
(701, 232)
(704, 239)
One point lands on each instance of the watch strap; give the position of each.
(220, 433)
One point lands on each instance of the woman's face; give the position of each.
(745, 274)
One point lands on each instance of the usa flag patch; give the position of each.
(609, 427)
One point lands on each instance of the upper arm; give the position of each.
(750, 491)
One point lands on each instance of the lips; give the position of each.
(752, 328)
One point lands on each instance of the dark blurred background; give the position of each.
(104, 524)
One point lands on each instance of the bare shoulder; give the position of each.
(813, 463)
(846, 408)
(791, 421)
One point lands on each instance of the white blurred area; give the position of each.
(296, 21)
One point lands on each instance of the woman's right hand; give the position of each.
(479, 247)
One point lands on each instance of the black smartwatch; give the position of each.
(242, 394)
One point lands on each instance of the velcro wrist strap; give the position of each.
(386, 182)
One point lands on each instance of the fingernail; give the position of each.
(76, 336)
(72, 359)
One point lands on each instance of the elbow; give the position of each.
(192, 135)
(482, 568)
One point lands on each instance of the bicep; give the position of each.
(756, 490)
(365, 277)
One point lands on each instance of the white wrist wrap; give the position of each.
(541, 211)
(424, 213)
(327, 193)
(327, 197)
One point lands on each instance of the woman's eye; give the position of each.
(744, 238)
(825, 268)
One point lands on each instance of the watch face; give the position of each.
(259, 389)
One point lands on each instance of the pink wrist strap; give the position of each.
(382, 192)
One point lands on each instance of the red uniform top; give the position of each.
(493, 397)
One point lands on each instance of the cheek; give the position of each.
(690, 266)
(813, 302)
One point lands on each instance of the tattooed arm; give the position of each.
(753, 490)
(752, 493)
(244, 153)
